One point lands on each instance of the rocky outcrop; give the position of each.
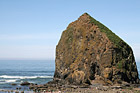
(89, 53)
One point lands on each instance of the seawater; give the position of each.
(18, 71)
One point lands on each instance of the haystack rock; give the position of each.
(88, 53)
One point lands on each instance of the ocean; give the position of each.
(18, 71)
(33, 71)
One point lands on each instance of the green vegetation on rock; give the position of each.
(112, 36)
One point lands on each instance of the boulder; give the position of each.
(25, 83)
(89, 52)
(13, 84)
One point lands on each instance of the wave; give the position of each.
(24, 77)
(8, 81)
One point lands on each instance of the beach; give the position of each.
(104, 89)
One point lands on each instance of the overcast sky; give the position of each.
(31, 29)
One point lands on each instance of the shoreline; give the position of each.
(76, 89)
(54, 87)
(15, 91)
(20, 91)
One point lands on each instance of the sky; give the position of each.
(31, 29)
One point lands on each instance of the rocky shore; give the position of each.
(58, 86)
(18, 89)
(96, 88)
(14, 91)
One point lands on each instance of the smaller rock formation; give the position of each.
(25, 83)
(13, 84)
(88, 53)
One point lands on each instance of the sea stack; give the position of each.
(88, 53)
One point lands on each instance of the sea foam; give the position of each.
(9, 81)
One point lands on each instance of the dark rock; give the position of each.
(88, 53)
(16, 91)
(13, 84)
(25, 84)
(102, 88)
(12, 91)
(116, 87)
(19, 88)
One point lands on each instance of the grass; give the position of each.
(112, 36)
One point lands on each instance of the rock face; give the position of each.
(88, 53)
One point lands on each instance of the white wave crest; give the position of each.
(9, 81)
(25, 77)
